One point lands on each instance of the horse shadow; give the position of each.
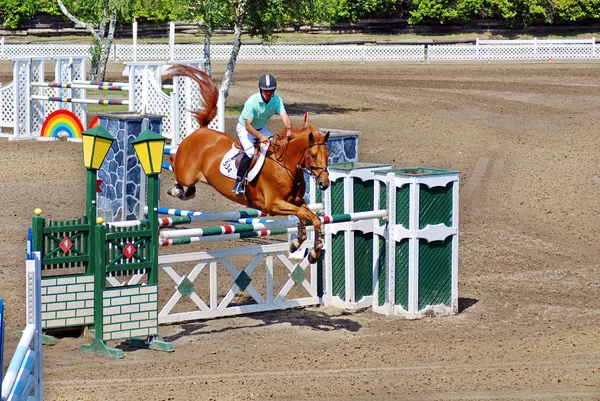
(313, 319)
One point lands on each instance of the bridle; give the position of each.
(311, 168)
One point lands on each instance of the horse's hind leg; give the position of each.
(176, 191)
(190, 193)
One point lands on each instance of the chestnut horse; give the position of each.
(280, 186)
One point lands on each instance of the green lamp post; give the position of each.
(96, 144)
(149, 147)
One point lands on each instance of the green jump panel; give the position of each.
(435, 272)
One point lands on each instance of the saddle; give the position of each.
(231, 160)
(238, 145)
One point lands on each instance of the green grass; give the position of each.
(98, 108)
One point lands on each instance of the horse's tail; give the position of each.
(208, 89)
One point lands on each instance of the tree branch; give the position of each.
(77, 21)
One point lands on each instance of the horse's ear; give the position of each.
(326, 137)
(305, 120)
(311, 137)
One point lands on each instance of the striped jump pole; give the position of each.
(124, 84)
(162, 222)
(177, 220)
(105, 86)
(205, 217)
(239, 228)
(223, 216)
(229, 237)
(167, 166)
(79, 100)
(170, 150)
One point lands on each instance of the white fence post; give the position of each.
(171, 41)
(134, 28)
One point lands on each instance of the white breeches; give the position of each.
(247, 139)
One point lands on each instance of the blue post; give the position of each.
(1, 338)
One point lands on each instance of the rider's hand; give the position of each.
(289, 132)
(264, 139)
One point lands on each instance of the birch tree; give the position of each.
(100, 19)
(259, 18)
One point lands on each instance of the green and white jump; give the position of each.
(393, 247)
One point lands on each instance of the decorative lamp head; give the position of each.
(149, 147)
(96, 143)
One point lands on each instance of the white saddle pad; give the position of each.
(228, 168)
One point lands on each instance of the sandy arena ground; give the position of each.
(525, 139)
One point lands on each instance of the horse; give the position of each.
(277, 190)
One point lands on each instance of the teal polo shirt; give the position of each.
(259, 112)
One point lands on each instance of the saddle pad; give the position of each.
(228, 168)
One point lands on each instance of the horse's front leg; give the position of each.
(300, 236)
(315, 253)
(282, 207)
(304, 214)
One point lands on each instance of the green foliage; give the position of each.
(14, 12)
(95, 53)
(576, 10)
(513, 12)
(352, 10)
(155, 10)
(264, 16)
(433, 11)
(213, 13)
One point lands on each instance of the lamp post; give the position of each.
(149, 147)
(96, 143)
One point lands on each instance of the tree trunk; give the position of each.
(102, 42)
(237, 43)
(106, 45)
(207, 37)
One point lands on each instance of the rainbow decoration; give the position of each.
(62, 121)
(94, 123)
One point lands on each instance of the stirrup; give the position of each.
(239, 188)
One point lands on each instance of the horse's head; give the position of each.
(317, 157)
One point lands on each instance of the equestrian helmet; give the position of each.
(267, 82)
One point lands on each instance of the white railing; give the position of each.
(517, 50)
(23, 380)
(481, 50)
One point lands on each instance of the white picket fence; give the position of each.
(481, 50)
(517, 50)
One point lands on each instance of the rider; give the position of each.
(251, 126)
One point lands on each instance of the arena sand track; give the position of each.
(525, 139)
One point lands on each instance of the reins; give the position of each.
(310, 170)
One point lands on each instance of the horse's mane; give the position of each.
(208, 89)
(301, 132)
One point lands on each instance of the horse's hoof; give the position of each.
(313, 257)
(190, 193)
(294, 245)
(176, 192)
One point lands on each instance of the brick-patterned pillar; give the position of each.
(123, 195)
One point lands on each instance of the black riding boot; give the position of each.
(239, 187)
